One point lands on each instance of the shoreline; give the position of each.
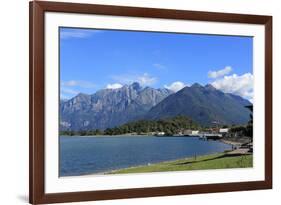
(166, 161)
(149, 164)
(117, 171)
(229, 142)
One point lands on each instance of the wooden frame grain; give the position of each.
(37, 193)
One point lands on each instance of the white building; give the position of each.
(195, 132)
(160, 133)
(223, 130)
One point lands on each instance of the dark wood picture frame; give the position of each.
(37, 193)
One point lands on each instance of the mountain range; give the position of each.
(109, 107)
(204, 104)
(113, 107)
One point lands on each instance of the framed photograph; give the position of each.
(132, 102)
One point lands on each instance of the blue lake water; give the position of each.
(89, 155)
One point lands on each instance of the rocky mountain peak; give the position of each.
(203, 104)
(136, 86)
(196, 85)
(110, 107)
(210, 87)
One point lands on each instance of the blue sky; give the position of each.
(96, 59)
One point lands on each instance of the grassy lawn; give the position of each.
(215, 161)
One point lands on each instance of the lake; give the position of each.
(90, 155)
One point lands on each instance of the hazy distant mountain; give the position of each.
(203, 104)
(109, 107)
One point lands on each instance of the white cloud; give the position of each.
(144, 79)
(72, 87)
(69, 91)
(114, 86)
(219, 73)
(69, 83)
(240, 85)
(77, 33)
(175, 86)
(159, 66)
(63, 96)
(82, 84)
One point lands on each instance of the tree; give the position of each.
(169, 125)
(249, 128)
